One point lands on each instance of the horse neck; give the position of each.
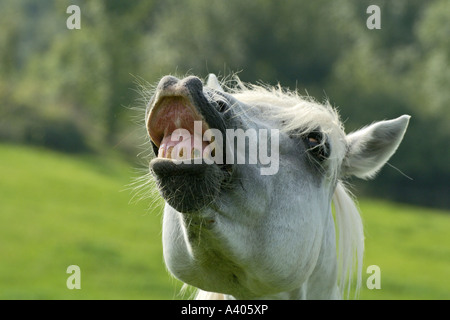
(321, 284)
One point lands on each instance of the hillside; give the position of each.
(411, 245)
(58, 210)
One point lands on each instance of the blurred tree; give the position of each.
(84, 76)
(268, 41)
(402, 68)
(433, 69)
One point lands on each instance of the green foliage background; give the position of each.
(79, 92)
(75, 90)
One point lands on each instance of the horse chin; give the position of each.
(187, 187)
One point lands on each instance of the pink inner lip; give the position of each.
(170, 114)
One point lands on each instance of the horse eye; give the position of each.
(312, 141)
(316, 145)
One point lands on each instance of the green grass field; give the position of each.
(58, 210)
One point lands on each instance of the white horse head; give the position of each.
(235, 231)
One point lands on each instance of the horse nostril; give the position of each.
(166, 82)
(192, 83)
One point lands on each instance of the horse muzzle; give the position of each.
(177, 118)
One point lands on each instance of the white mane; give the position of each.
(350, 239)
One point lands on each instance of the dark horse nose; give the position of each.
(172, 86)
(192, 83)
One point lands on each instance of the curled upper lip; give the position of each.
(170, 113)
(181, 104)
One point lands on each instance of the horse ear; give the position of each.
(214, 83)
(371, 147)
